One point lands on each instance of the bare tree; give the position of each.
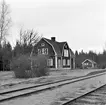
(5, 20)
(29, 37)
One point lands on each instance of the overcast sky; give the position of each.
(82, 23)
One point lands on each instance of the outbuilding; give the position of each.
(88, 63)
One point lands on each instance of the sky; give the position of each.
(82, 23)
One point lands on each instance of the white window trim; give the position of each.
(43, 51)
(39, 51)
(64, 62)
(42, 44)
(50, 62)
(66, 53)
(68, 62)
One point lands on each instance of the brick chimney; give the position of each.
(53, 39)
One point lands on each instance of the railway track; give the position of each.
(11, 94)
(96, 97)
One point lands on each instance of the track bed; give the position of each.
(98, 97)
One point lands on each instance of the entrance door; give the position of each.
(72, 63)
(59, 63)
(1, 66)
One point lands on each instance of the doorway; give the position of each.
(72, 63)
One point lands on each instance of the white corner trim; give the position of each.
(70, 53)
(88, 60)
(56, 62)
(51, 46)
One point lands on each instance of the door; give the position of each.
(72, 63)
(59, 63)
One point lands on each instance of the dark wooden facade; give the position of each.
(59, 54)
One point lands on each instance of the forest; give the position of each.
(100, 58)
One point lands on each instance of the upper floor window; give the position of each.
(42, 44)
(65, 53)
(43, 51)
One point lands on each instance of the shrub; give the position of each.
(40, 67)
(20, 65)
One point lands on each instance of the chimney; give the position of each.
(53, 39)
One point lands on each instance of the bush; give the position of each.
(20, 65)
(40, 67)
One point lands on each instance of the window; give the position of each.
(65, 53)
(42, 44)
(64, 62)
(43, 51)
(39, 51)
(50, 62)
(68, 62)
(86, 63)
(46, 51)
(59, 63)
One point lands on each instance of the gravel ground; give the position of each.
(7, 79)
(56, 95)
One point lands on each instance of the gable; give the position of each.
(55, 46)
(88, 61)
(42, 44)
(66, 46)
(66, 50)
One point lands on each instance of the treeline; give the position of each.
(100, 58)
(23, 46)
(7, 53)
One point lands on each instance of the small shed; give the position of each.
(87, 63)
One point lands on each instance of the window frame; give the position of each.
(66, 53)
(50, 62)
(43, 51)
(68, 62)
(64, 62)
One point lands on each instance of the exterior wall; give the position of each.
(39, 46)
(43, 44)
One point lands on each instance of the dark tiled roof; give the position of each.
(72, 53)
(61, 44)
(58, 46)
